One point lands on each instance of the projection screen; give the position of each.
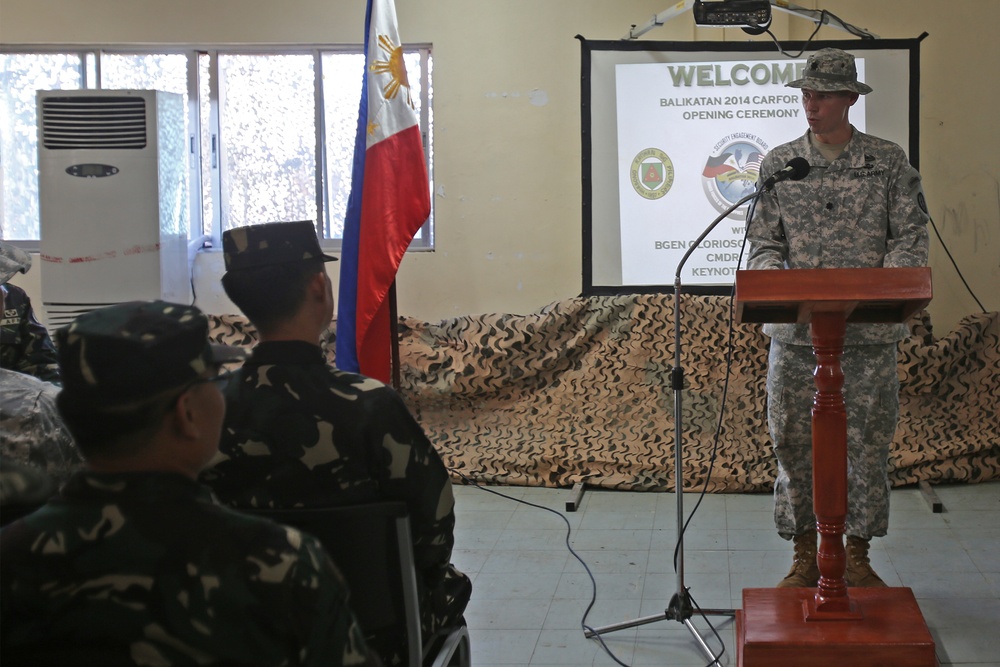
(673, 135)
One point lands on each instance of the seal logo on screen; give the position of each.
(731, 171)
(652, 173)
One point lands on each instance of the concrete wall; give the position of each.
(507, 125)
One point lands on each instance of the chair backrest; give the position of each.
(372, 547)
(11, 513)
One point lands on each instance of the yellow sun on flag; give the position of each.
(395, 68)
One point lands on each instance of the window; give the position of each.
(267, 116)
(271, 133)
(20, 76)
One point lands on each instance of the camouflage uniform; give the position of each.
(143, 568)
(864, 209)
(31, 431)
(25, 345)
(300, 433)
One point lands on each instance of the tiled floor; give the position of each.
(530, 593)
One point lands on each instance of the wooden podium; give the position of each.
(826, 626)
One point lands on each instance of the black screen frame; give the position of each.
(911, 45)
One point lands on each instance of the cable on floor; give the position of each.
(593, 582)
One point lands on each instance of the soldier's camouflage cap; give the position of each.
(12, 260)
(831, 70)
(272, 243)
(135, 350)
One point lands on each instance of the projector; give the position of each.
(753, 14)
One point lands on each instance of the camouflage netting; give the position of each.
(579, 391)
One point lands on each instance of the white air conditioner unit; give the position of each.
(113, 199)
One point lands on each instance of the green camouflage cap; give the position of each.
(132, 351)
(272, 243)
(831, 70)
(12, 260)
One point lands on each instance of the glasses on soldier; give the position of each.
(220, 380)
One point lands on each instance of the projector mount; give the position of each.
(753, 16)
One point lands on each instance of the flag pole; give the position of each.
(394, 334)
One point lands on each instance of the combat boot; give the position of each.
(804, 572)
(859, 569)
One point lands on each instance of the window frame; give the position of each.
(91, 78)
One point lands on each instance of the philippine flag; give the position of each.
(389, 201)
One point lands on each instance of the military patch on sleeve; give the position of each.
(910, 181)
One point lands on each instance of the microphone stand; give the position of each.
(681, 608)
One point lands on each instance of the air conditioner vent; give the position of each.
(70, 123)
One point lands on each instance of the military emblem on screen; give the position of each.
(731, 173)
(652, 173)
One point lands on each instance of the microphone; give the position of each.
(796, 169)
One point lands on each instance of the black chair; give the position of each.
(11, 513)
(372, 547)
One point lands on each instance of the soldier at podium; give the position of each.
(861, 205)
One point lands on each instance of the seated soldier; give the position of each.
(301, 433)
(133, 562)
(33, 436)
(25, 345)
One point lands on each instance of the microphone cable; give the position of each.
(955, 264)
(593, 582)
(569, 531)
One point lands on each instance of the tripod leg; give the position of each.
(701, 642)
(681, 609)
(626, 624)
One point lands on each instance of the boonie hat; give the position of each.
(272, 243)
(131, 351)
(831, 70)
(12, 260)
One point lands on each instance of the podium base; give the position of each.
(772, 630)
